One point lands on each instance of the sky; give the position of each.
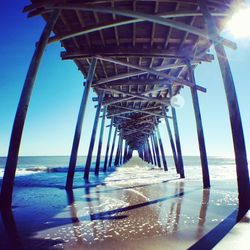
(51, 118)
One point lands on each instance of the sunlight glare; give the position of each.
(238, 25)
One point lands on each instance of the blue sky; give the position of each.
(52, 115)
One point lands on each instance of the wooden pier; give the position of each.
(136, 55)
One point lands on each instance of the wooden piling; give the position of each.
(163, 156)
(153, 149)
(112, 148)
(234, 113)
(157, 150)
(107, 148)
(171, 140)
(98, 157)
(125, 152)
(20, 117)
(178, 144)
(93, 136)
(201, 139)
(78, 129)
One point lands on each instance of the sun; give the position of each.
(239, 24)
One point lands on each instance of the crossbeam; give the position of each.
(113, 24)
(135, 51)
(132, 98)
(139, 110)
(150, 99)
(145, 17)
(154, 71)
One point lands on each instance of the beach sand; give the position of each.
(137, 207)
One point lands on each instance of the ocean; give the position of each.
(59, 164)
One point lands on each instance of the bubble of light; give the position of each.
(177, 101)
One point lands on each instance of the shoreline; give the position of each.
(142, 208)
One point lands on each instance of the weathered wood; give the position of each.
(108, 25)
(201, 139)
(117, 156)
(163, 156)
(112, 149)
(98, 157)
(134, 51)
(153, 149)
(178, 144)
(157, 152)
(125, 152)
(234, 114)
(171, 141)
(150, 153)
(107, 147)
(121, 150)
(93, 136)
(148, 70)
(78, 129)
(146, 17)
(20, 117)
(155, 71)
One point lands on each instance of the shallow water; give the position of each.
(137, 206)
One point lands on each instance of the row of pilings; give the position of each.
(146, 153)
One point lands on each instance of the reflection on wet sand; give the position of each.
(11, 229)
(203, 212)
(129, 213)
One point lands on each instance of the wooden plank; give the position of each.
(146, 17)
(114, 24)
(150, 71)
(121, 51)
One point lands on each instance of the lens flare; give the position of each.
(238, 25)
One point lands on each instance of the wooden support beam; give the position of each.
(139, 111)
(138, 15)
(112, 149)
(121, 51)
(136, 98)
(121, 150)
(149, 152)
(162, 149)
(20, 117)
(107, 147)
(113, 24)
(178, 144)
(117, 156)
(149, 71)
(98, 158)
(93, 136)
(171, 141)
(157, 152)
(153, 149)
(201, 139)
(125, 152)
(164, 101)
(234, 113)
(78, 129)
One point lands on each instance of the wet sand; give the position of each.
(135, 207)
